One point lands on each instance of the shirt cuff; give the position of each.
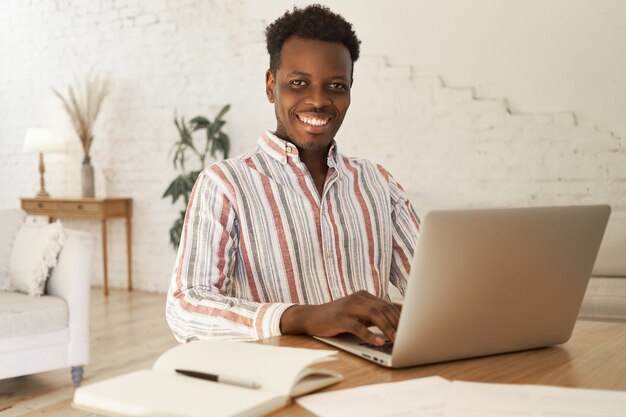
(267, 320)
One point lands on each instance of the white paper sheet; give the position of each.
(472, 399)
(423, 397)
(438, 397)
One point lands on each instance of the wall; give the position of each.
(554, 140)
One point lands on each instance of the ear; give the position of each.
(270, 84)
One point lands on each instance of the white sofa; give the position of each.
(605, 298)
(51, 331)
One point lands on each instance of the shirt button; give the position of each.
(329, 254)
(288, 148)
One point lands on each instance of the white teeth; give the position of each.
(314, 122)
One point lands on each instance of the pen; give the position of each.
(232, 380)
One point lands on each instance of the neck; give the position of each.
(315, 161)
(317, 164)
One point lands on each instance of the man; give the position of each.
(294, 237)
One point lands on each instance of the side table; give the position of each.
(88, 208)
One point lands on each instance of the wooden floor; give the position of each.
(128, 332)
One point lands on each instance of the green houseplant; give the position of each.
(214, 141)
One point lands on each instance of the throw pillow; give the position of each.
(10, 222)
(35, 251)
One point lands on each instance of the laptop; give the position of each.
(491, 281)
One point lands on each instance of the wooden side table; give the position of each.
(88, 208)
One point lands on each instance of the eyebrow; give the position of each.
(306, 74)
(300, 73)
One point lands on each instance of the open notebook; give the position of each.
(282, 373)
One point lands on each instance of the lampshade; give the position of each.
(43, 140)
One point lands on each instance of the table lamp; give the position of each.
(42, 141)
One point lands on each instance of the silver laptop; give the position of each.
(491, 281)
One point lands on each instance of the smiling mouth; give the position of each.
(314, 121)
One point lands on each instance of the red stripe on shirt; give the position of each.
(227, 314)
(368, 223)
(221, 252)
(337, 250)
(280, 229)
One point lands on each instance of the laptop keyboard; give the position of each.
(386, 348)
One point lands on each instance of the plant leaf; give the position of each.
(193, 177)
(178, 152)
(185, 135)
(215, 128)
(181, 186)
(222, 113)
(225, 141)
(199, 122)
(215, 146)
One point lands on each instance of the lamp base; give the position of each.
(42, 183)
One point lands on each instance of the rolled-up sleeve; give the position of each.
(202, 301)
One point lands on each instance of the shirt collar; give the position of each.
(281, 150)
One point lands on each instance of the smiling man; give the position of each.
(294, 237)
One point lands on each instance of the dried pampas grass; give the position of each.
(82, 104)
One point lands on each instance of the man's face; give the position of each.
(310, 91)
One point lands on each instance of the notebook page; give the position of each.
(152, 394)
(275, 368)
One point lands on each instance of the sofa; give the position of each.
(605, 298)
(51, 331)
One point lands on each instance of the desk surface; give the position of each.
(595, 357)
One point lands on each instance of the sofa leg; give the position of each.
(77, 375)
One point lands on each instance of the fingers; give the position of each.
(388, 319)
(357, 328)
(351, 314)
(366, 308)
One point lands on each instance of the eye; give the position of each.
(297, 83)
(338, 86)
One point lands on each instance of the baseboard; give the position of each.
(605, 299)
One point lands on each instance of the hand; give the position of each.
(351, 314)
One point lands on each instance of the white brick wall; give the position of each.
(447, 147)
(450, 149)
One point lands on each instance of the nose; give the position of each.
(319, 98)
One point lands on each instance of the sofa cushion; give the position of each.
(35, 251)
(21, 314)
(605, 299)
(611, 259)
(10, 221)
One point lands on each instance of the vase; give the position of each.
(87, 178)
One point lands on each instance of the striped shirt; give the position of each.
(258, 238)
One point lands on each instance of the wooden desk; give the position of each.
(595, 357)
(89, 208)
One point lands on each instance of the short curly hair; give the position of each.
(312, 22)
